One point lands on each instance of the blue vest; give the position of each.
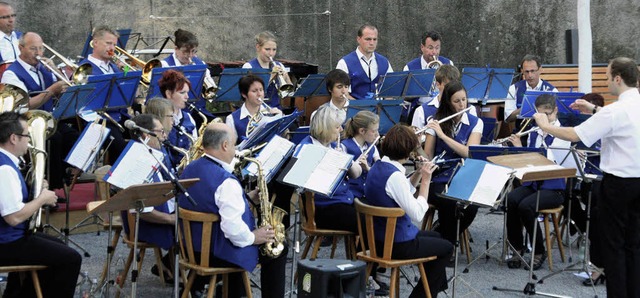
(377, 196)
(360, 82)
(521, 88)
(178, 139)
(7, 232)
(96, 71)
(31, 84)
(462, 137)
(357, 185)
(211, 176)
(272, 91)
(154, 233)
(428, 110)
(551, 184)
(417, 63)
(342, 194)
(200, 104)
(240, 125)
(2, 59)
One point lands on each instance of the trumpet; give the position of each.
(519, 134)
(422, 130)
(80, 73)
(136, 63)
(284, 88)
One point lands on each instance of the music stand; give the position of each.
(112, 92)
(314, 91)
(194, 73)
(563, 100)
(388, 110)
(532, 167)
(136, 197)
(228, 84)
(484, 83)
(68, 103)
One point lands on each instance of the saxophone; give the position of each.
(269, 215)
(196, 151)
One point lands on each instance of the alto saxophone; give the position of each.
(269, 216)
(196, 150)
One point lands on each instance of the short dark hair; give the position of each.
(10, 124)
(337, 76)
(594, 98)
(399, 142)
(245, 83)
(214, 137)
(144, 121)
(365, 26)
(626, 68)
(434, 35)
(186, 39)
(546, 101)
(447, 72)
(172, 80)
(530, 57)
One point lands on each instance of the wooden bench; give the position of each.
(565, 78)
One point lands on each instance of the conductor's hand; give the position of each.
(263, 235)
(47, 197)
(583, 106)
(542, 120)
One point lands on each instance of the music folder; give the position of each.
(271, 157)
(68, 103)
(134, 165)
(316, 168)
(533, 167)
(112, 92)
(478, 182)
(194, 73)
(87, 146)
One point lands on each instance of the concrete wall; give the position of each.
(480, 32)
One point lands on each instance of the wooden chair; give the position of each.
(188, 259)
(103, 194)
(383, 259)
(554, 213)
(427, 225)
(315, 235)
(33, 269)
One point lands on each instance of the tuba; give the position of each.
(41, 125)
(269, 215)
(13, 98)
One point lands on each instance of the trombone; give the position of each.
(136, 63)
(80, 74)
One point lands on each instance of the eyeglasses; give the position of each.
(36, 49)
(8, 16)
(161, 131)
(23, 135)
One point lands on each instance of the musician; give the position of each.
(266, 48)
(531, 67)
(17, 245)
(235, 240)
(185, 53)
(156, 224)
(253, 111)
(521, 202)
(9, 49)
(617, 125)
(361, 132)
(430, 48)
(364, 65)
(387, 187)
(338, 83)
(444, 75)
(454, 136)
(163, 109)
(175, 87)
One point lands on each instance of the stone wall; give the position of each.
(483, 32)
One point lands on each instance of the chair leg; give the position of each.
(558, 236)
(467, 246)
(36, 283)
(316, 247)
(425, 283)
(114, 244)
(212, 286)
(307, 246)
(548, 241)
(247, 284)
(334, 243)
(127, 266)
(189, 284)
(393, 280)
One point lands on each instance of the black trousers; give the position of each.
(426, 244)
(521, 211)
(272, 276)
(61, 275)
(337, 217)
(447, 213)
(619, 226)
(60, 143)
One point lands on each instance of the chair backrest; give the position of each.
(368, 213)
(308, 208)
(185, 235)
(102, 187)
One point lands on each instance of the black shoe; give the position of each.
(538, 260)
(167, 280)
(326, 241)
(588, 282)
(514, 262)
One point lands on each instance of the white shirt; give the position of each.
(178, 63)
(231, 206)
(105, 67)
(618, 126)
(11, 194)
(556, 146)
(419, 120)
(9, 46)
(10, 77)
(341, 113)
(464, 120)
(244, 113)
(510, 103)
(367, 64)
(176, 119)
(364, 147)
(400, 189)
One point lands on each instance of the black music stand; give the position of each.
(135, 197)
(194, 73)
(388, 110)
(526, 161)
(228, 84)
(68, 103)
(484, 83)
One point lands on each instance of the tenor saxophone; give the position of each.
(269, 216)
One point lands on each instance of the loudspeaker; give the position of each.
(331, 278)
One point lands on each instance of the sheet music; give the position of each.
(134, 166)
(530, 169)
(271, 156)
(87, 146)
(327, 164)
(490, 184)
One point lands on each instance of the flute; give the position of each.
(373, 144)
(519, 134)
(419, 131)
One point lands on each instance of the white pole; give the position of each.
(584, 46)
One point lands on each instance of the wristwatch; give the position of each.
(595, 108)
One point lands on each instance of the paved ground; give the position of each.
(478, 282)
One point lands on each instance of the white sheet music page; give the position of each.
(134, 166)
(271, 155)
(490, 184)
(325, 175)
(84, 152)
(308, 158)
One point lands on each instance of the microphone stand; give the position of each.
(178, 189)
